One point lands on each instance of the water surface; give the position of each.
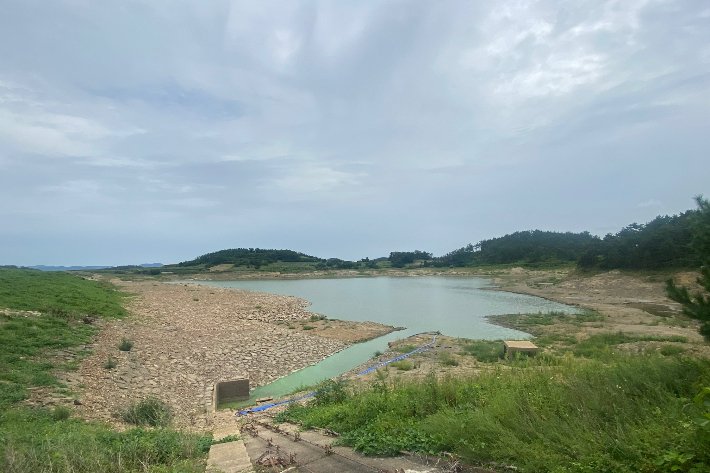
(453, 306)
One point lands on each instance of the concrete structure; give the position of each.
(230, 457)
(230, 391)
(522, 346)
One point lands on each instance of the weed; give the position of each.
(671, 350)
(377, 354)
(447, 359)
(125, 345)
(291, 327)
(316, 317)
(111, 363)
(61, 413)
(148, 412)
(196, 299)
(257, 307)
(307, 327)
(402, 365)
(405, 349)
(485, 351)
(227, 439)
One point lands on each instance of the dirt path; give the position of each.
(186, 337)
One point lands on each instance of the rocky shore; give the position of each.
(186, 337)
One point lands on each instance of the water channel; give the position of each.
(454, 306)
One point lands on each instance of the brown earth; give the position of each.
(186, 337)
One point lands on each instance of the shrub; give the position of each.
(447, 359)
(150, 411)
(405, 349)
(377, 354)
(485, 351)
(125, 345)
(402, 365)
(110, 363)
(308, 327)
(61, 413)
(671, 350)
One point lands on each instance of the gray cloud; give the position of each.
(147, 131)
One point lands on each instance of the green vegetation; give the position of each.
(485, 351)
(253, 257)
(58, 294)
(35, 440)
(447, 359)
(405, 348)
(402, 365)
(148, 412)
(110, 363)
(697, 306)
(125, 345)
(627, 414)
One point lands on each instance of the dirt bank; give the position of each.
(186, 337)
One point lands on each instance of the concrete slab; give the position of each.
(231, 457)
(523, 346)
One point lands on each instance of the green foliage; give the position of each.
(526, 247)
(125, 345)
(376, 354)
(600, 345)
(399, 259)
(402, 365)
(317, 317)
(110, 363)
(697, 306)
(568, 416)
(405, 349)
(61, 413)
(59, 294)
(665, 242)
(148, 412)
(36, 440)
(671, 350)
(227, 439)
(447, 359)
(249, 257)
(307, 327)
(485, 351)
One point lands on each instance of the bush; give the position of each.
(110, 363)
(485, 351)
(447, 359)
(402, 365)
(405, 349)
(61, 413)
(307, 327)
(671, 350)
(125, 345)
(150, 411)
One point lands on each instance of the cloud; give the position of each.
(651, 203)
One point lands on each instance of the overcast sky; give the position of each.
(156, 131)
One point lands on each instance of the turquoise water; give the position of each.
(453, 306)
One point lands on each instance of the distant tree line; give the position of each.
(255, 257)
(665, 242)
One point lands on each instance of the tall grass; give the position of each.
(573, 415)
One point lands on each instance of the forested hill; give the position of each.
(665, 242)
(530, 247)
(250, 257)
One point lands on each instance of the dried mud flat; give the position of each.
(186, 337)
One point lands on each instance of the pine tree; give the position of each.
(697, 305)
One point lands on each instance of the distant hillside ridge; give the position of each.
(256, 257)
(528, 247)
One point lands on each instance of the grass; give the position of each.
(600, 345)
(40, 440)
(307, 327)
(150, 412)
(447, 359)
(110, 363)
(623, 415)
(125, 345)
(405, 349)
(402, 365)
(485, 351)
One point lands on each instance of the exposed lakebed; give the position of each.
(454, 306)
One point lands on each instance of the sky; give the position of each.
(156, 131)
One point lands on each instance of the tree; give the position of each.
(697, 305)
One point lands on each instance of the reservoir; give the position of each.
(454, 306)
